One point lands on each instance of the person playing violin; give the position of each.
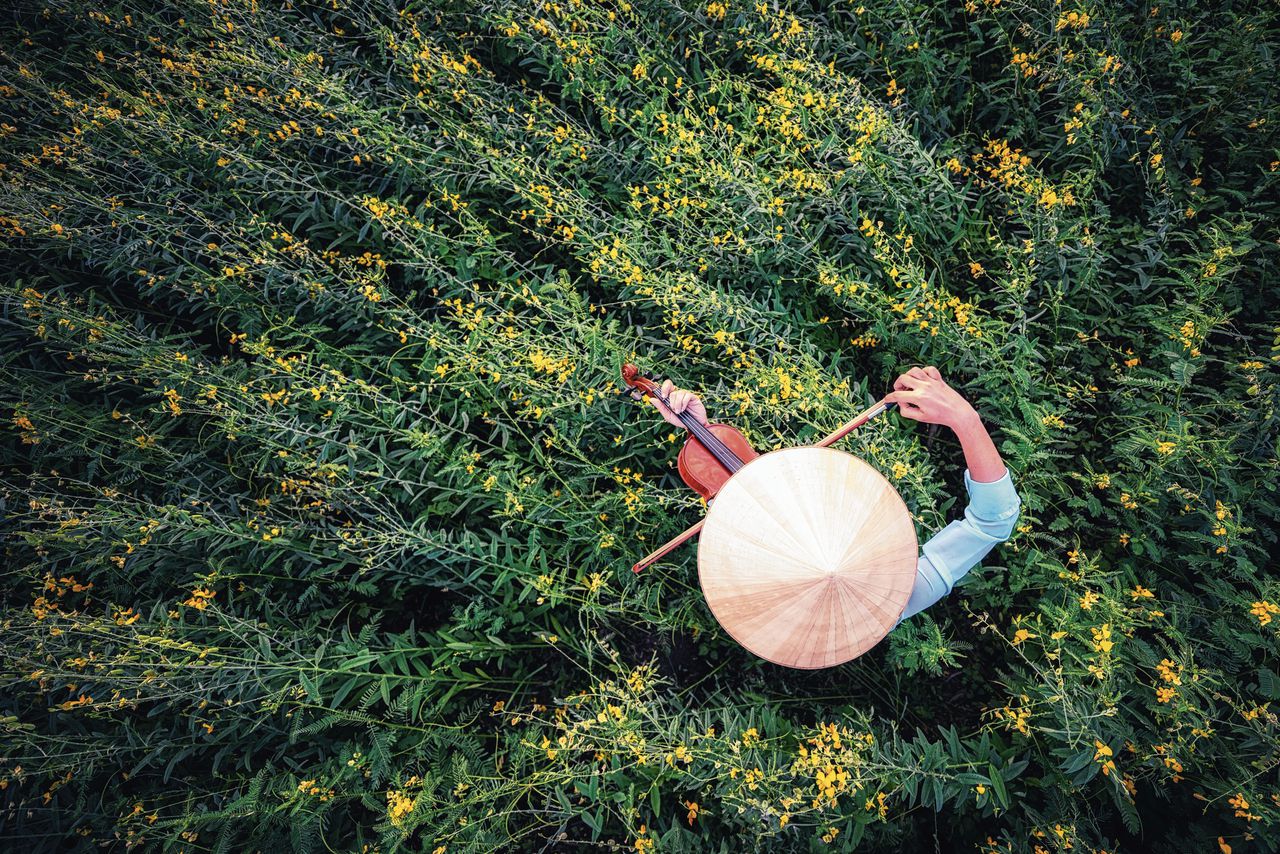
(994, 503)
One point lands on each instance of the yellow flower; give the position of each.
(1073, 20)
(1241, 806)
(1102, 638)
(399, 805)
(1101, 750)
(1264, 610)
(200, 598)
(1166, 448)
(1166, 671)
(1021, 635)
(82, 700)
(900, 470)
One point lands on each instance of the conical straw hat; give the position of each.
(807, 557)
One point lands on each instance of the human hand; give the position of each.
(922, 395)
(681, 401)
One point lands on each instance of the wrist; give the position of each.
(967, 423)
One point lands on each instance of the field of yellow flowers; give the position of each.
(320, 495)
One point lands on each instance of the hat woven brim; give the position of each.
(807, 557)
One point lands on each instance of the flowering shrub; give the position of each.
(320, 494)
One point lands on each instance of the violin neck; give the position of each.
(718, 449)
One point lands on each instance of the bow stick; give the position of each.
(878, 409)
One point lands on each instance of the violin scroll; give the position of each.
(639, 382)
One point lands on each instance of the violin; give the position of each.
(713, 453)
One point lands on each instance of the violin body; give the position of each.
(701, 470)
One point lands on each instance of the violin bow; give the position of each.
(671, 545)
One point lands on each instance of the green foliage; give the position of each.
(320, 494)
(919, 645)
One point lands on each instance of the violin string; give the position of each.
(709, 440)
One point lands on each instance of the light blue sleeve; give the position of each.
(989, 518)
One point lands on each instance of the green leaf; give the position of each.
(1079, 761)
(594, 822)
(997, 786)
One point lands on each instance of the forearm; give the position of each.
(980, 453)
(989, 518)
(992, 512)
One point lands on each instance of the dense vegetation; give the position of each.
(320, 494)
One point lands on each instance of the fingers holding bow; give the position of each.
(907, 400)
(912, 389)
(923, 395)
